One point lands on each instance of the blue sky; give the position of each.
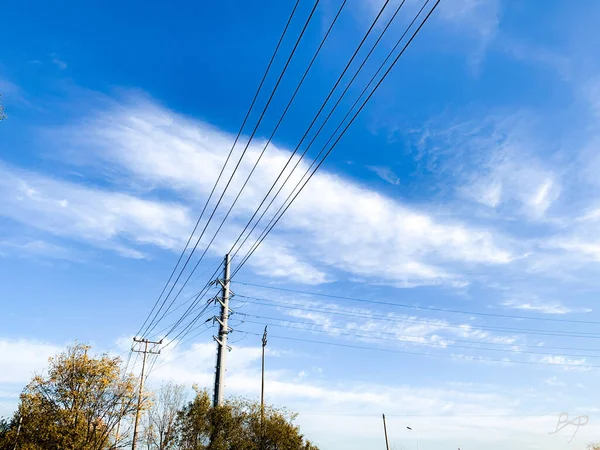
(468, 183)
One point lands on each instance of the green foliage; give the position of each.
(76, 406)
(237, 426)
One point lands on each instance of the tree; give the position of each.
(237, 426)
(76, 406)
(159, 433)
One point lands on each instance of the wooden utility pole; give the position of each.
(141, 392)
(222, 339)
(387, 444)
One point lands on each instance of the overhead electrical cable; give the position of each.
(236, 168)
(262, 81)
(268, 230)
(376, 335)
(433, 355)
(194, 302)
(387, 318)
(317, 115)
(424, 308)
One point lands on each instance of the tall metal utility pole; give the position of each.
(139, 402)
(387, 444)
(222, 339)
(262, 386)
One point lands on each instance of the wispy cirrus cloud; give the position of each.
(343, 226)
(57, 61)
(385, 173)
(102, 218)
(534, 304)
(36, 248)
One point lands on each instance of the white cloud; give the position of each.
(335, 223)
(57, 61)
(591, 94)
(386, 174)
(541, 55)
(569, 364)
(537, 305)
(515, 178)
(11, 93)
(22, 358)
(496, 161)
(375, 326)
(580, 237)
(38, 249)
(476, 19)
(105, 219)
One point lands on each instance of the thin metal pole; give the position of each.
(387, 444)
(262, 387)
(222, 339)
(418, 439)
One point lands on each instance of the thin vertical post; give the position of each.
(387, 444)
(262, 387)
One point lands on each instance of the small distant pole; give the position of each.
(262, 387)
(387, 444)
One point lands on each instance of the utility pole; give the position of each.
(387, 444)
(222, 339)
(139, 402)
(262, 387)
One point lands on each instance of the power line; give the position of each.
(276, 127)
(268, 141)
(325, 122)
(292, 306)
(186, 329)
(359, 69)
(328, 141)
(411, 337)
(407, 352)
(237, 165)
(192, 299)
(166, 362)
(316, 116)
(424, 308)
(196, 299)
(376, 336)
(224, 165)
(268, 230)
